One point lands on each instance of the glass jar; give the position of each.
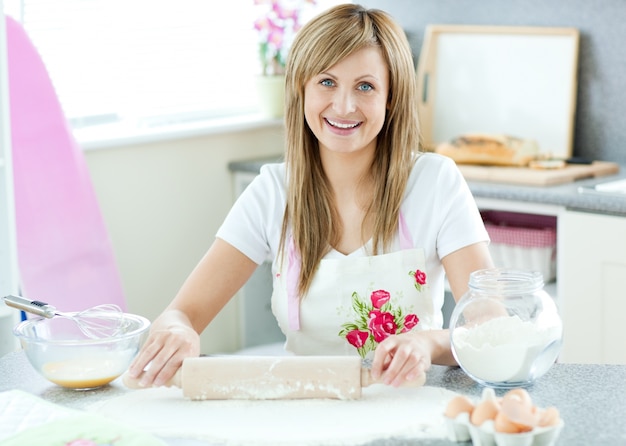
(505, 331)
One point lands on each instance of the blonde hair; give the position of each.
(310, 213)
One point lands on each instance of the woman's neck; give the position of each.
(353, 189)
(346, 171)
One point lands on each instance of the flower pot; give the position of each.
(271, 91)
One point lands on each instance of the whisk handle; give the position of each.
(30, 306)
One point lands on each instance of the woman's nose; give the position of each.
(344, 102)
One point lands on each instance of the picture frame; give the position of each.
(504, 80)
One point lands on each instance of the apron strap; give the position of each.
(294, 265)
(406, 242)
(293, 273)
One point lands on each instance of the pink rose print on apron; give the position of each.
(377, 318)
(420, 279)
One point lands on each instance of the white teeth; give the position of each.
(342, 126)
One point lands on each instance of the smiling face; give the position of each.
(345, 106)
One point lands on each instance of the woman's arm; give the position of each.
(406, 356)
(460, 264)
(175, 334)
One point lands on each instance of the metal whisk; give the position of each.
(101, 321)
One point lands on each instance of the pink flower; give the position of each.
(382, 325)
(284, 12)
(275, 37)
(261, 24)
(357, 338)
(380, 298)
(410, 321)
(420, 277)
(277, 23)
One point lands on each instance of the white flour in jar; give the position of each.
(502, 349)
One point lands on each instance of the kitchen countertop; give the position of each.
(591, 398)
(566, 195)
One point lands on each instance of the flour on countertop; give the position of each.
(383, 412)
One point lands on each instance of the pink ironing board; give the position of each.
(64, 252)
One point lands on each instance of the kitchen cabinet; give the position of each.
(592, 278)
(489, 204)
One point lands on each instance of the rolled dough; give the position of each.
(383, 412)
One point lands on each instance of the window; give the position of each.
(153, 62)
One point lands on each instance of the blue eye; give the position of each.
(327, 83)
(366, 87)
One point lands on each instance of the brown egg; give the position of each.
(503, 424)
(483, 411)
(549, 417)
(458, 404)
(518, 408)
(520, 394)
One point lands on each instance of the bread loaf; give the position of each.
(496, 150)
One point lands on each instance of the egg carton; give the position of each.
(460, 429)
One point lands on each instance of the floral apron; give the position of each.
(353, 302)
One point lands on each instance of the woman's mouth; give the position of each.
(342, 125)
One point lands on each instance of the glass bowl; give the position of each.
(505, 331)
(64, 355)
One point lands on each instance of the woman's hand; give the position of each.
(164, 351)
(403, 357)
(174, 335)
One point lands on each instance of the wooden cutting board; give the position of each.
(538, 177)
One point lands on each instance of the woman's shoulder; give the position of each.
(435, 173)
(430, 164)
(272, 175)
(273, 168)
(274, 172)
(267, 186)
(430, 159)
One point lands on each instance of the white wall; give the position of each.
(162, 203)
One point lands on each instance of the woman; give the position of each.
(361, 227)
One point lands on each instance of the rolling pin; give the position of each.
(271, 377)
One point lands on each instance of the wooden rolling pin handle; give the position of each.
(367, 380)
(133, 383)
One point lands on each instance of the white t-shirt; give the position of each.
(438, 208)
